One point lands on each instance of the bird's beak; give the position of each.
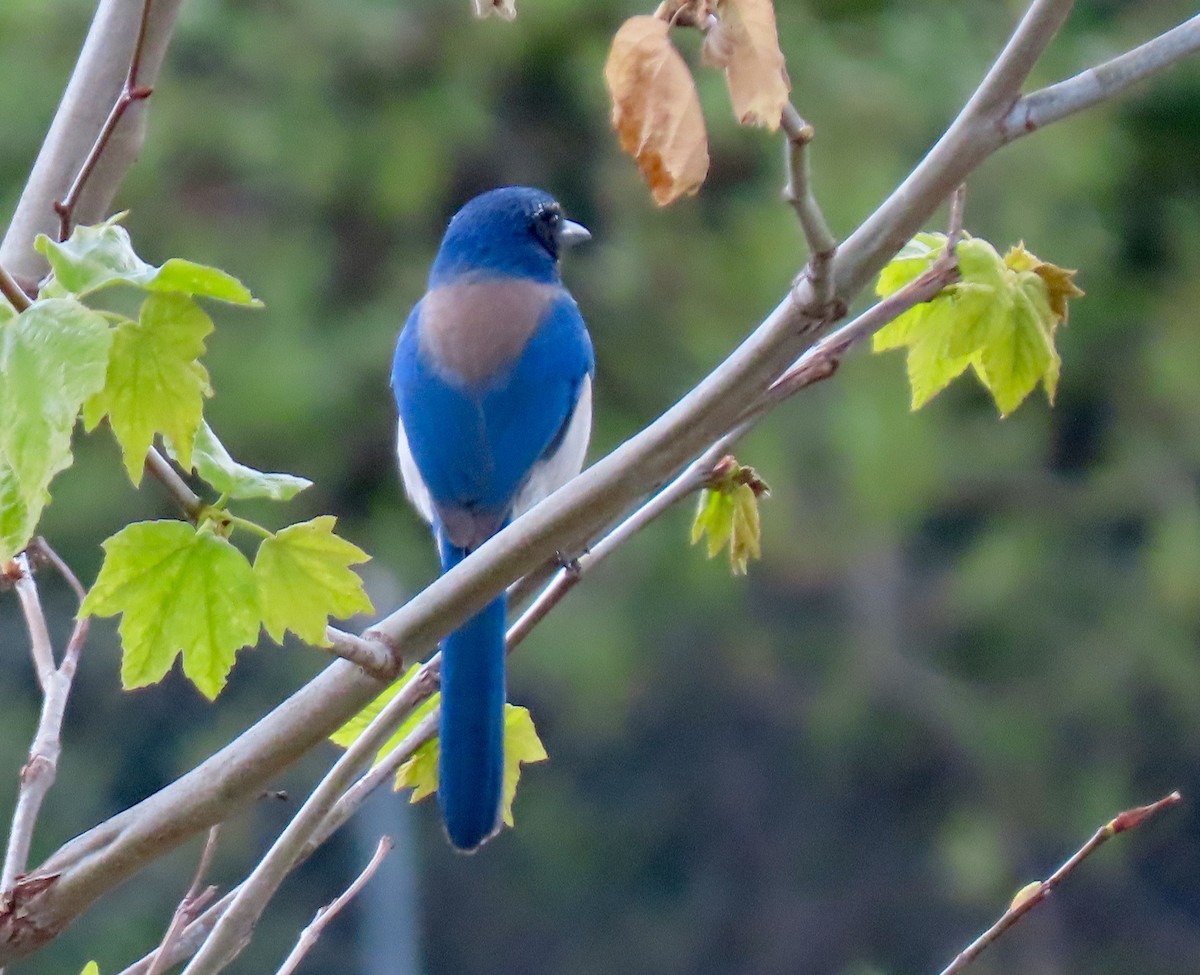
(571, 233)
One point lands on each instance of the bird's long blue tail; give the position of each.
(471, 762)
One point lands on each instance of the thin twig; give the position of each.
(309, 936)
(954, 228)
(194, 901)
(41, 769)
(1104, 81)
(185, 497)
(131, 92)
(35, 624)
(822, 245)
(12, 291)
(1027, 900)
(44, 551)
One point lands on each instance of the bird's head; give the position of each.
(514, 231)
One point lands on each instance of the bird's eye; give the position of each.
(546, 222)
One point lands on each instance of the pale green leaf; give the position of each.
(914, 259)
(348, 733)
(92, 257)
(91, 968)
(19, 513)
(155, 383)
(52, 356)
(1013, 365)
(304, 577)
(213, 463)
(1000, 318)
(200, 281)
(745, 537)
(178, 589)
(102, 255)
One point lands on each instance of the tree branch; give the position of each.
(1027, 899)
(232, 932)
(131, 93)
(1104, 81)
(41, 769)
(822, 245)
(13, 292)
(309, 936)
(94, 88)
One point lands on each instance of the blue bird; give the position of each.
(492, 378)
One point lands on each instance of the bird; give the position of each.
(492, 378)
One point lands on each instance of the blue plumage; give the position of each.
(492, 378)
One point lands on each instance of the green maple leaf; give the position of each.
(522, 746)
(213, 463)
(999, 319)
(52, 357)
(178, 590)
(304, 577)
(96, 257)
(155, 383)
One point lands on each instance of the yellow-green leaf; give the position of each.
(727, 514)
(94, 257)
(91, 968)
(999, 319)
(178, 590)
(304, 577)
(420, 772)
(213, 463)
(155, 383)
(52, 357)
(522, 746)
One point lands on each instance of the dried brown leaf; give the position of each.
(656, 111)
(745, 43)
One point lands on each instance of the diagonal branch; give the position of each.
(1104, 81)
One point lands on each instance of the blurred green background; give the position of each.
(969, 641)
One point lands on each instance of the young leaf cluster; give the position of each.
(180, 587)
(655, 108)
(1000, 320)
(727, 514)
